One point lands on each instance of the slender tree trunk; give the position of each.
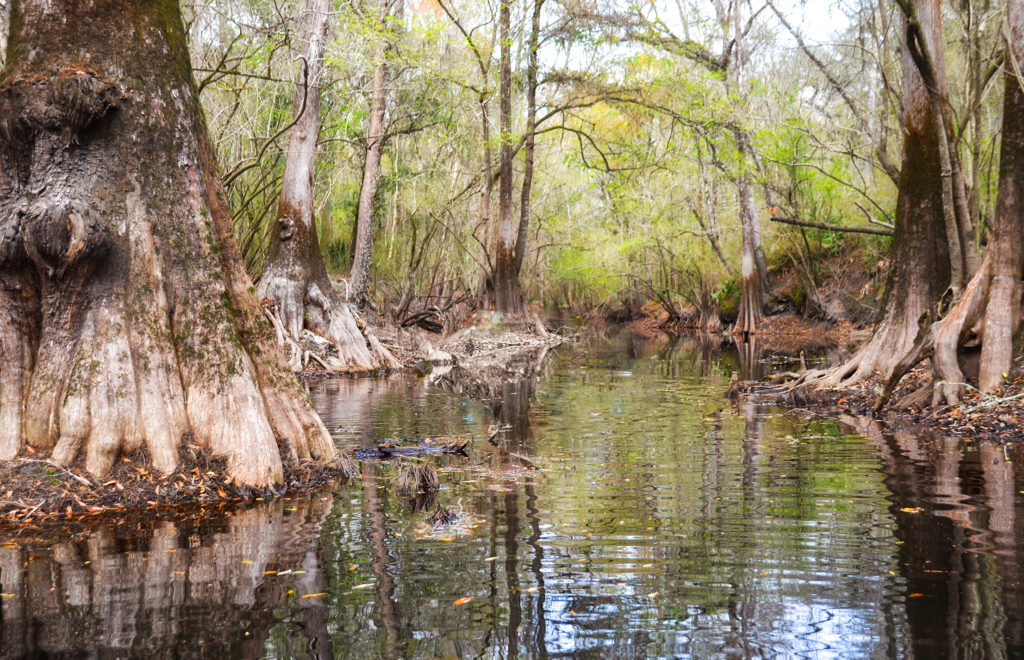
(751, 293)
(920, 257)
(486, 296)
(375, 137)
(127, 321)
(508, 299)
(294, 274)
(753, 265)
(531, 127)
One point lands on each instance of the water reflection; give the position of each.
(957, 509)
(196, 585)
(625, 509)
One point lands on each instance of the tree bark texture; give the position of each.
(363, 243)
(127, 321)
(990, 305)
(920, 269)
(294, 275)
(1002, 314)
(508, 297)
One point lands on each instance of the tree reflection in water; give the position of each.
(957, 524)
(659, 521)
(204, 585)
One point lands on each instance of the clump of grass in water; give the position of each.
(421, 478)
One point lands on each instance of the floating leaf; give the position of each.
(911, 509)
(463, 600)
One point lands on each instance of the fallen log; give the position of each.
(389, 448)
(822, 225)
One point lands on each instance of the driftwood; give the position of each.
(389, 448)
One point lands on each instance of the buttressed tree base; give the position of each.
(127, 321)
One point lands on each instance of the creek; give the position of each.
(624, 508)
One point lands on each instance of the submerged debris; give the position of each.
(417, 479)
(389, 448)
(442, 516)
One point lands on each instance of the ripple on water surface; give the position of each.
(625, 509)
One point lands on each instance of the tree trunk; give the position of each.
(1002, 314)
(920, 257)
(751, 293)
(530, 137)
(127, 321)
(753, 266)
(362, 245)
(508, 299)
(294, 274)
(990, 306)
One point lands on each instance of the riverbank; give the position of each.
(38, 492)
(998, 417)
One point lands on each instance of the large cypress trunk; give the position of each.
(989, 308)
(920, 269)
(126, 319)
(1002, 314)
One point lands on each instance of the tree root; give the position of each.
(941, 341)
(357, 349)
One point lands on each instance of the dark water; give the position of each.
(630, 511)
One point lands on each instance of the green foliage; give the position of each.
(727, 297)
(637, 161)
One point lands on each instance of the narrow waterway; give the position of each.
(624, 508)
